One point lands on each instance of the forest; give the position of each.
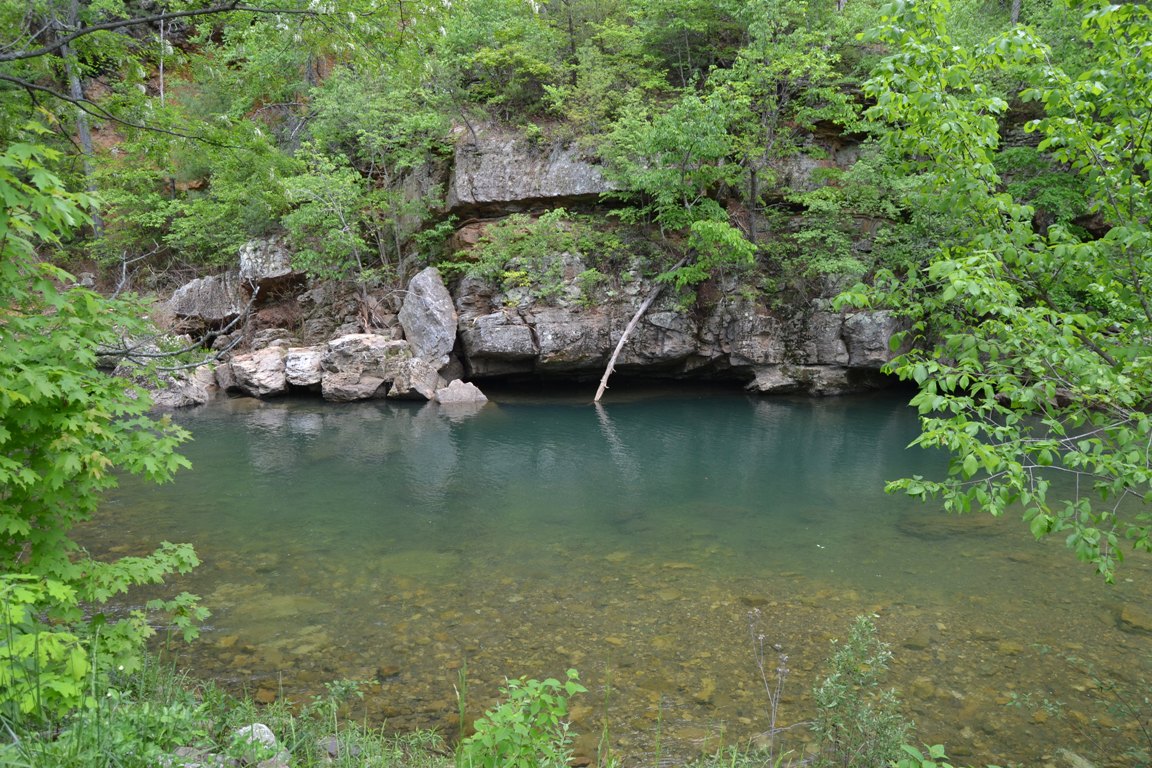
(998, 202)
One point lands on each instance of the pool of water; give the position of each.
(402, 543)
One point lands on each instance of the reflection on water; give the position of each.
(396, 542)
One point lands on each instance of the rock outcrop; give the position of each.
(811, 349)
(266, 266)
(350, 345)
(499, 169)
(207, 304)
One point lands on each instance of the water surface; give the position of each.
(399, 543)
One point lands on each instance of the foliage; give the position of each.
(1029, 347)
(499, 53)
(139, 720)
(327, 226)
(668, 167)
(65, 428)
(525, 252)
(525, 730)
(914, 758)
(858, 725)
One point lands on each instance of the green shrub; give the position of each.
(858, 724)
(525, 730)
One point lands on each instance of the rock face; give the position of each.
(266, 266)
(207, 303)
(428, 317)
(499, 168)
(812, 349)
(260, 373)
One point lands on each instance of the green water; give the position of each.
(399, 542)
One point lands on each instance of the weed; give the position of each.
(859, 725)
(526, 729)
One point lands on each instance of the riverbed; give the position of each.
(648, 543)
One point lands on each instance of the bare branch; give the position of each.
(97, 111)
(232, 7)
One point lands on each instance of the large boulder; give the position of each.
(303, 366)
(460, 393)
(207, 303)
(260, 373)
(499, 168)
(416, 379)
(428, 317)
(266, 266)
(360, 366)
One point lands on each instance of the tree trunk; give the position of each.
(76, 92)
(628, 330)
(1015, 11)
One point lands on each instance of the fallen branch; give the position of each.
(628, 329)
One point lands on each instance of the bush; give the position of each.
(526, 730)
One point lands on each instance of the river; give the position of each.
(645, 542)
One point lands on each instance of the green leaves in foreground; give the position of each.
(66, 428)
(1029, 344)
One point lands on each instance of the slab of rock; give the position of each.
(207, 303)
(817, 380)
(460, 392)
(867, 336)
(360, 366)
(260, 373)
(184, 389)
(349, 387)
(266, 264)
(428, 316)
(497, 166)
(302, 366)
(368, 352)
(416, 379)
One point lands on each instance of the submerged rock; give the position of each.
(1135, 620)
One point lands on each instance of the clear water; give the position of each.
(400, 543)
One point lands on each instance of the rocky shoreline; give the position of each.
(277, 333)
